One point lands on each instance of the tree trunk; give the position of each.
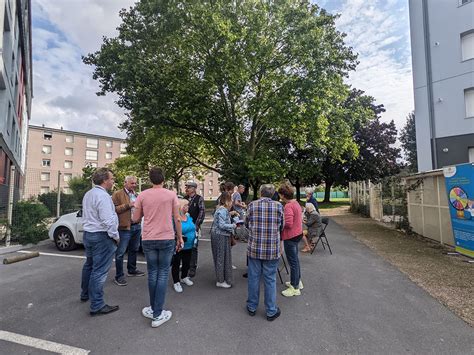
(255, 190)
(176, 184)
(297, 187)
(245, 195)
(327, 191)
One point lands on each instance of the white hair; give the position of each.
(309, 190)
(130, 177)
(309, 207)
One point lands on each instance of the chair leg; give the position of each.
(327, 243)
(315, 245)
(284, 264)
(279, 274)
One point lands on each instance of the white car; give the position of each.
(66, 231)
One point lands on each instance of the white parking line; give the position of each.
(41, 344)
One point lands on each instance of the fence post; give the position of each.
(58, 201)
(10, 206)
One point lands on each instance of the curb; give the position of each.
(15, 248)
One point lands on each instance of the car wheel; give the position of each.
(64, 239)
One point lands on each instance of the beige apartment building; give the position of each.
(57, 154)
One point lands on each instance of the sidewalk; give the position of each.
(447, 278)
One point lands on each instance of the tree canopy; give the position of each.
(232, 80)
(408, 140)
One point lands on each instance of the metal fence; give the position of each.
(383, 201)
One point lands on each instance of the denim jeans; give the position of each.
(131, 239)
(268, 269)
(291, 252)
(158, 254)
(100, 250)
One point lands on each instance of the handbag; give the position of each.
(232, 240)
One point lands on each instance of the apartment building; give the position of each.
(442, 42)
(53, 150)
(15, 95)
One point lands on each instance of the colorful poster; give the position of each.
(460, 189)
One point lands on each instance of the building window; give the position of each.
(469, 102)
(48, 135)
(67, 190)
(46, 162)
(67, 177)
(46, 149)
(44, 189)
(109, 144)
(210, 182)
(467, 45)
(45, 176)
(92, 143)
(69, 139)
(91, 154)
(68, 151)
(123, 147)
(210, 192)
(68, 164)
(471, 155)
(122, 155)
(108, 155)
(93, 165)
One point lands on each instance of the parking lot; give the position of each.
(353, 302)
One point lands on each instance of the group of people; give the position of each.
(169, 230)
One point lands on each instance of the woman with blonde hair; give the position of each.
(184, 255)
(221, 234)
(312, 220)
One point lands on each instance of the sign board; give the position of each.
(460, 189)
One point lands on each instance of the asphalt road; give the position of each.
(353, 302)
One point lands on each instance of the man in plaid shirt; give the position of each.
(265, 222)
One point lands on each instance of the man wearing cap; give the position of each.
(196, 211)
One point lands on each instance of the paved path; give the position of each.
(353, 302)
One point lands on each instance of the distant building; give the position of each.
(53, 150)
(442, 42)
(15, 94)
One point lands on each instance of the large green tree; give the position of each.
(229, 76)
(408, 140)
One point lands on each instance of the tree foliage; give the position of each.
(408, 140)
(228, 79)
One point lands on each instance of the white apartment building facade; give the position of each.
(442, 42)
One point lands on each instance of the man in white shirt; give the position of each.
(100, 223)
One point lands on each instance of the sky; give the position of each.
(64, 30)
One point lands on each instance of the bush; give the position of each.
(29, 222)
(68, 202)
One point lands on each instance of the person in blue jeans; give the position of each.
(100, 240)
(159, 208)
(130, 233)
(265, 223)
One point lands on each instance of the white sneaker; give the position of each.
(147, 312)
(187, 281)
(223, 284)
(177, 287)
(300, 286)
(164, 317)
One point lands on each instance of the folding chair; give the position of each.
(322, 236)
(284, 267)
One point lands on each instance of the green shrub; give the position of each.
(29, 222)
(68, 202)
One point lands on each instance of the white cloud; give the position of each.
(379, 32)
(64, 91)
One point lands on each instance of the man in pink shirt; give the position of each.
(159, 207)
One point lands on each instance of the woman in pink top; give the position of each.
(291, 236)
